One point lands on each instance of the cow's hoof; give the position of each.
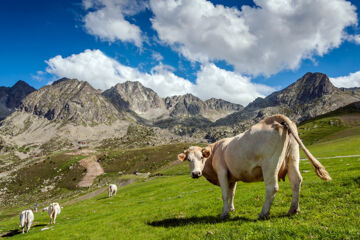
(224, 216)
(293, 211)
(264, 216)
(232, 209)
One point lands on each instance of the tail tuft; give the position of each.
(323, 174)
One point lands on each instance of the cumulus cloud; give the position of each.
(106, 20)
(275, 35)
(104, 72)
(349, 81)
(227, 85)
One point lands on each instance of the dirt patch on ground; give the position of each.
(93, 169)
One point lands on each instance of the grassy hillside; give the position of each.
(343, 122)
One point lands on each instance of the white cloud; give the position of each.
(275, 35)
(215, 82)
(352, 80)
(354, 38)
(157, 56)
(104, 72)
(108, 21)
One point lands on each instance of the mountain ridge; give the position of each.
(73, 109)
(11, 97)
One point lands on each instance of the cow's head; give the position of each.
(197, 157)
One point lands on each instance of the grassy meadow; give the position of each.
(171, 205)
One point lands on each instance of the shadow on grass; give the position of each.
(177, 222)
(106, 197)
(14, 232)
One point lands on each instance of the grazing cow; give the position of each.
(112, 190)
(53, 210)
(266, 152)
(26, 219)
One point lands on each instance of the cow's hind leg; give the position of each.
(295, 178)
(270, 173)
(232, 190)
(272, 187)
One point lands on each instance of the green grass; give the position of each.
(314, 131)
(336, 147)
(178, 207)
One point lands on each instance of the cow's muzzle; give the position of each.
(196, 174)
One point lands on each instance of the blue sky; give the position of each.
(229, 49)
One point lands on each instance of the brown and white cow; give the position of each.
(266, 152)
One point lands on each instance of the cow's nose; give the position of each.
(196, 174)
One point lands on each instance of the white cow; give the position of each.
(53, 210)
(112, 190)
(26, 220)
(266, 152)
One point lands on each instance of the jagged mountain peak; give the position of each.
(21, 84)
(137, 98)
(70, 100)
(11, 97)
(311, 86)
(311, 95)
(64, 79)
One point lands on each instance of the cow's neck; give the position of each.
(208, 171)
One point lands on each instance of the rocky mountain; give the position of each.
(10, 97)
(60, 115)
(188, 105)
(70, 100)
(70, 110)
(135, 97)
(310, 96)
(147, 104)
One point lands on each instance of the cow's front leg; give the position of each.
(232, 190)
(224, 184)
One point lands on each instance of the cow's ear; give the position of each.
(206, 152)
(182, 157)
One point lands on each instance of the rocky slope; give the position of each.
(70, 100)
(135, 97)
(147, 104)
(309, 96)
(62, 114)
(10, 97)
(355, 91)
(188, 105)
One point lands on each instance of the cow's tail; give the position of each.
(319, 168)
